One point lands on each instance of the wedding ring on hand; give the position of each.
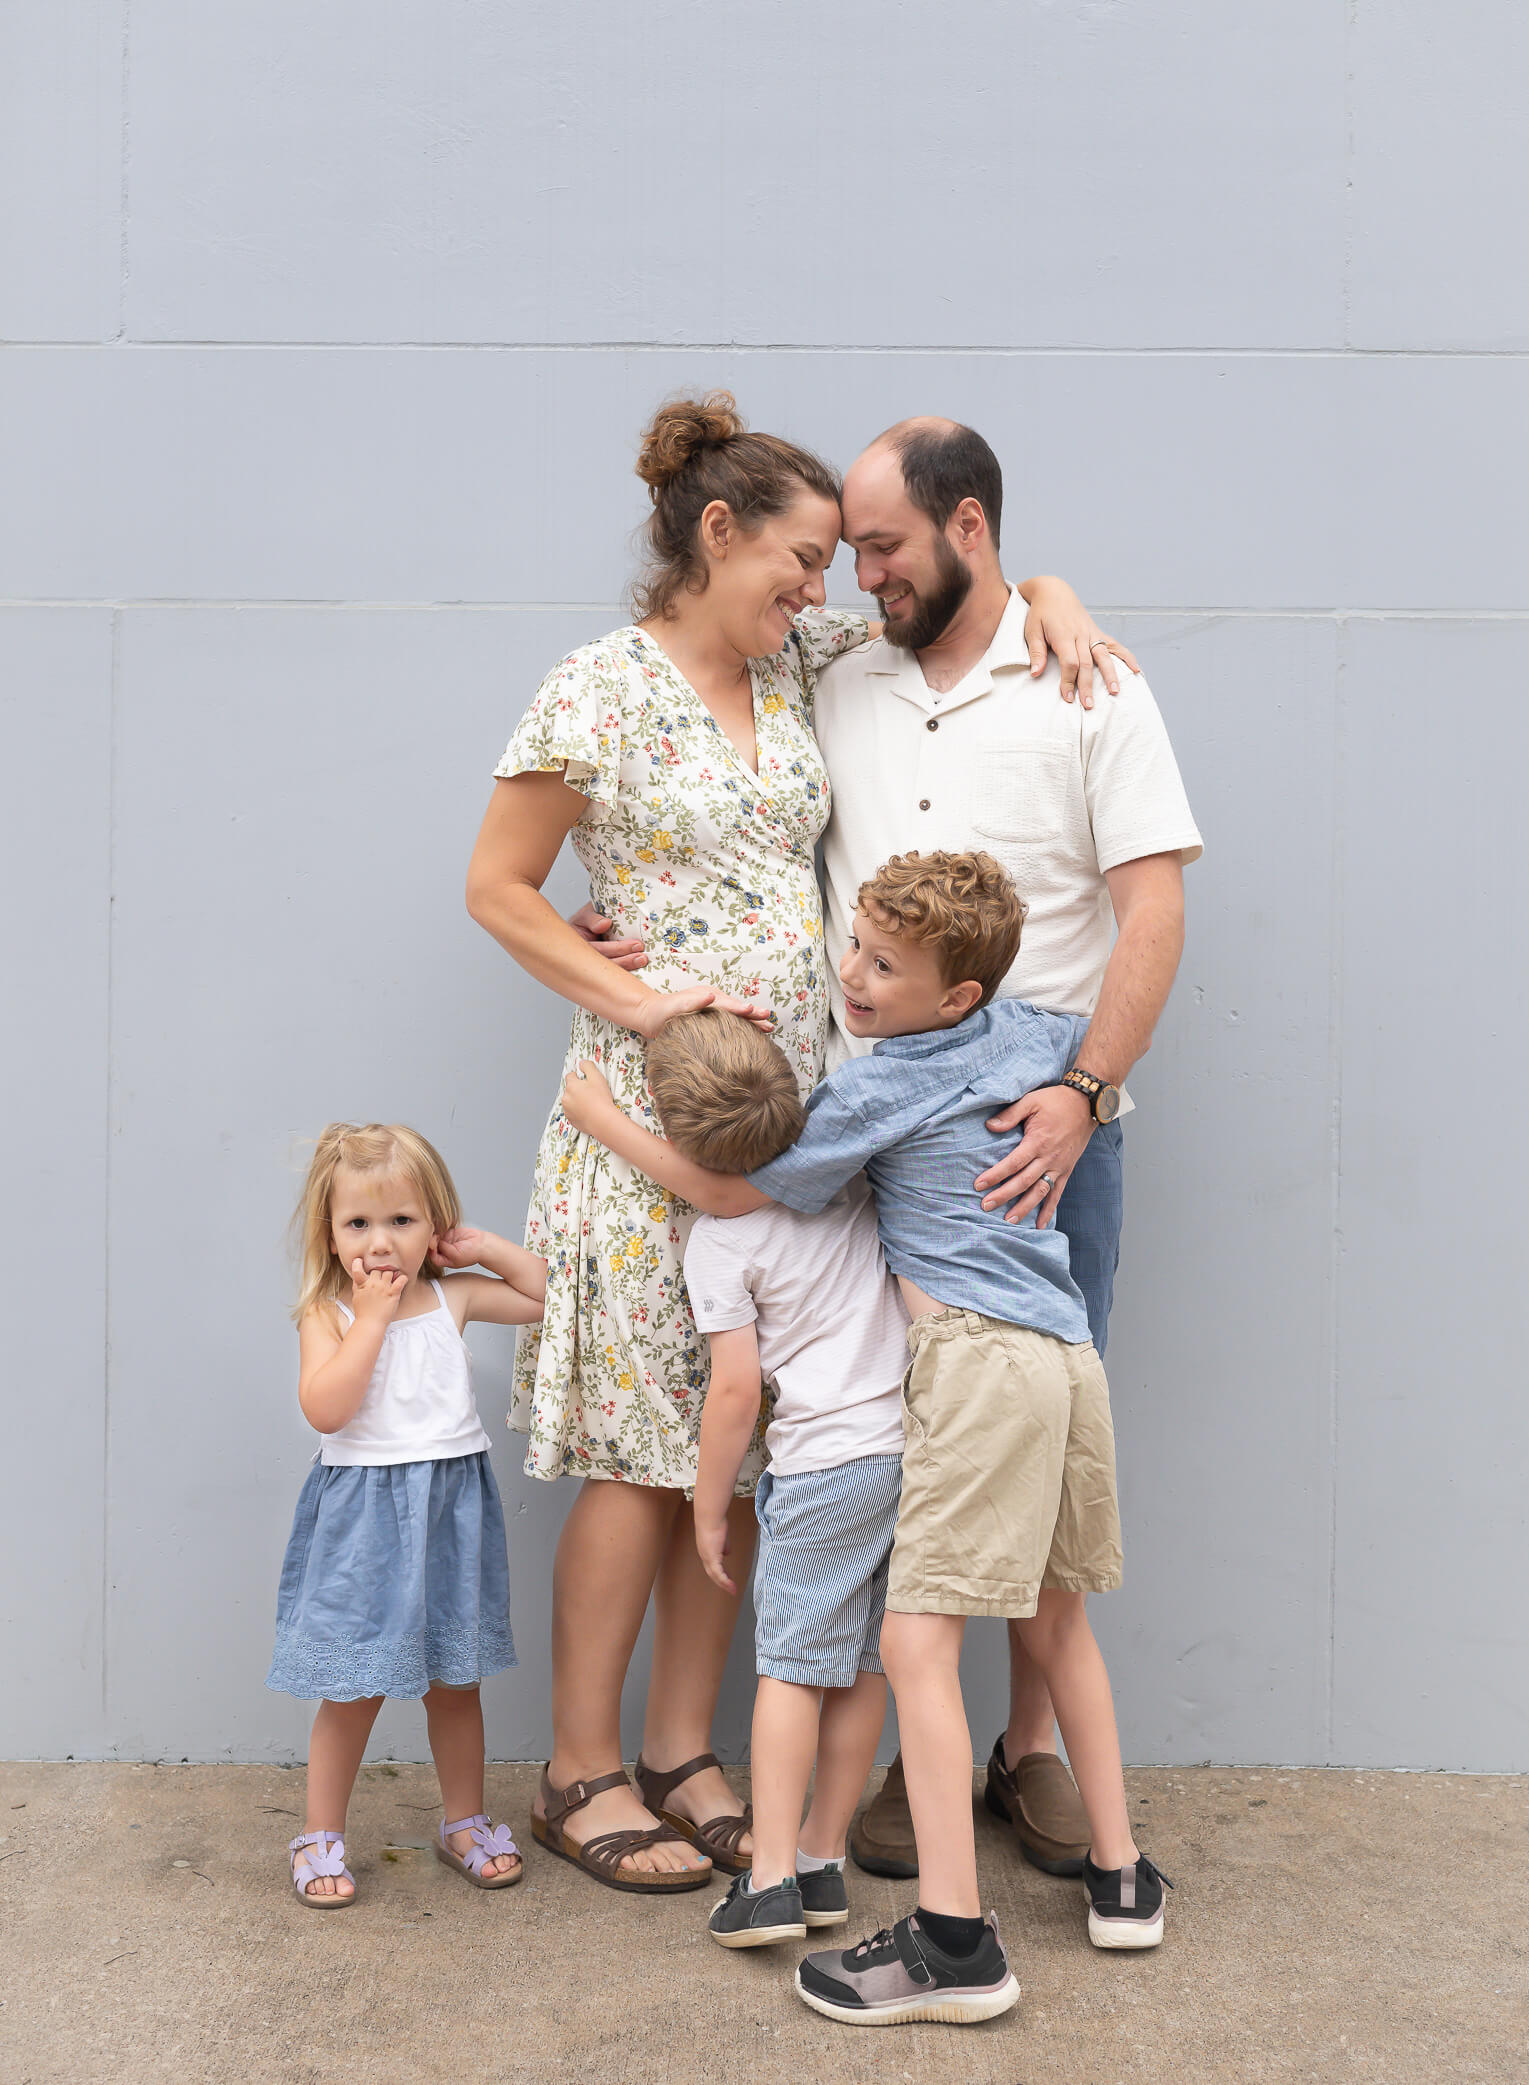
(1098, 641)
(1048, 1180)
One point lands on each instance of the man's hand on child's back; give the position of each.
(711, 1545)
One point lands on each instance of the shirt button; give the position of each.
(933, 724)
(923, 803)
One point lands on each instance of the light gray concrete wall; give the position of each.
(328, 336)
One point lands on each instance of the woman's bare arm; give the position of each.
(528, 819)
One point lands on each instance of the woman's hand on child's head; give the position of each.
(460, 1247)
(712, 1546)
(586, 1094)
(663, 1007)
(376, 1295)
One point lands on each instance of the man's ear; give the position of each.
(969, 524)
(960, 999)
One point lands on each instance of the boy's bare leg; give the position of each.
(848, 1730)
(922, 1655)
(1062, 1644)
(785, 1737)
(1032, 1720)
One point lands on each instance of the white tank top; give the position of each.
(419, 1404)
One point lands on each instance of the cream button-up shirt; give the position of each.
(1057, 793)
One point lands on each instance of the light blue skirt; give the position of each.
(395, 1577)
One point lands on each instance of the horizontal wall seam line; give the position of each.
(361, 607)
(770, 347)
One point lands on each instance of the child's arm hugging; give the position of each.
(591, 1107)
(728, 1419)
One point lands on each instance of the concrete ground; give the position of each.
(1326, 1926)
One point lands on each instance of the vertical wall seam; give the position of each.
(1335, 1181)
(122, 198)
(110, 1105)
(1350, 27)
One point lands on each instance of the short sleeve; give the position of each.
(821, 635)
(1136, 800)
(836, 1143)
(717, 1276)
(574, 724)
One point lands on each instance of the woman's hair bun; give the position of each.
(679, 430)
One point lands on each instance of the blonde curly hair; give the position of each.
(964, 906)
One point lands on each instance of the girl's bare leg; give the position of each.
(455, 1719)
(848, 1731)
(607, 1557)
(694, 1627)
(340, 1732)
(1062, 1644)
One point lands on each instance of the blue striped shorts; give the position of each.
(820, 1586)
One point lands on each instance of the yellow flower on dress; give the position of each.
(659, 1212)
(646, 854)
(771, 704)
(662, 839)
(623, 873)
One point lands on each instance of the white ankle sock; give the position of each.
(810, 1863)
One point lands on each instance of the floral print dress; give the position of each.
(712, 865)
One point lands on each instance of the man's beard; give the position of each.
(932, 614)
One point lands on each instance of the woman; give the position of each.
(678, 752)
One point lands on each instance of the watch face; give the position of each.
(1107, 1104)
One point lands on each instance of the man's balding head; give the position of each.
(941, 463)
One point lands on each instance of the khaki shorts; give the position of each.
(1008, 1470)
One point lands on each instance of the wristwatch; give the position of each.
(1103, 1099)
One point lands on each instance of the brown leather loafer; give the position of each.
(1042, 1803)
(881, 1839)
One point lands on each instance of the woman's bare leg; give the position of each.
(607, 1557)
(694, 1622)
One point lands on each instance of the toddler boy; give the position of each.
(806, 1303)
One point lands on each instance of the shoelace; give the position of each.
(881, 1939)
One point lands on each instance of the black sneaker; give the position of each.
(744, 1919)
(902, 1975)
(1125, 1905)
(825, 1900)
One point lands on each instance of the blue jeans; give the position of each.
(1089, 1219)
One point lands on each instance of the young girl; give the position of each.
(395, 1580)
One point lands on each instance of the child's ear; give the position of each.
(960, 999)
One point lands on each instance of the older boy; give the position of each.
(1008, 1502)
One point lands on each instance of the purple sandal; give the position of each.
(490, 1842)
(329, 1860)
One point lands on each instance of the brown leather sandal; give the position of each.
(602, 1856)
(719, 1836)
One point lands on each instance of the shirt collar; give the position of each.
(934, 1040)
(906, 678)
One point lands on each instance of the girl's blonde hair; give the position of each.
(373, 1147)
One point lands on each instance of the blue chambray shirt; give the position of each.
(912, 1115)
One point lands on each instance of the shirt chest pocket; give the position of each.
(1019, 793)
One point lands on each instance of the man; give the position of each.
(938, 735)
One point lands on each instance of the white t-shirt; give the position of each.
(419, 1404)
(1057, 793)
(829, 1318)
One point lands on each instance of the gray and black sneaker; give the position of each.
(1125, 1905)
(745, 1918)
(902, 1975)
(825, 1900)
